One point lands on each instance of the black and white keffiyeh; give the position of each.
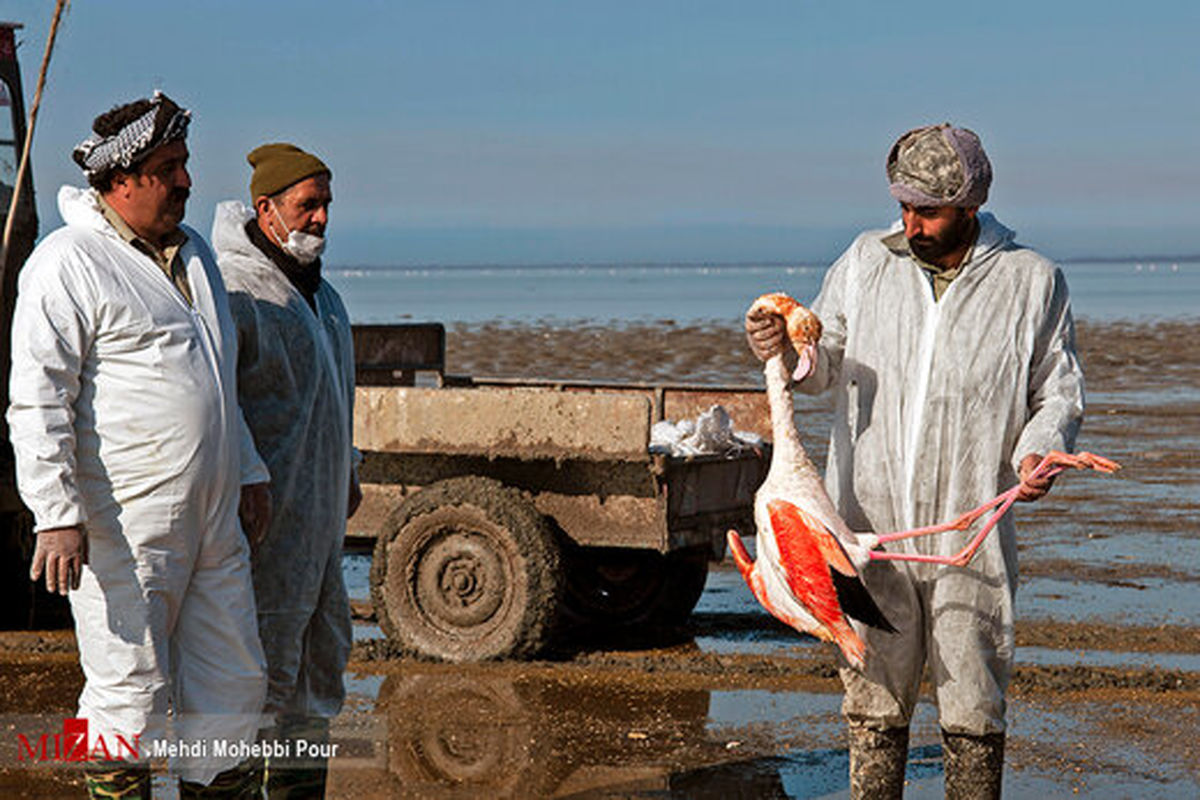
(98, 154)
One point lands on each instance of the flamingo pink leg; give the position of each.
(1054, 463)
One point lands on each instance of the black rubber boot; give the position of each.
(877, 762)
(299, 777)
(974, 765)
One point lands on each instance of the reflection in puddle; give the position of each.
(466, 733)
(457, 732)
(500, 732)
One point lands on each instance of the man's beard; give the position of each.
(930, 248)
(177, 202)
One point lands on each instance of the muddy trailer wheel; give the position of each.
(467, 570)
(618, 587)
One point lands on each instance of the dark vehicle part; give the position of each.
(623, 587)
(22, 604)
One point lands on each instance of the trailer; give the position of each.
(505, 511)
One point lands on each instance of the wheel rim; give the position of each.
(467, 570)
(460, 580)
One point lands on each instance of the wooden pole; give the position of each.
(24, 165)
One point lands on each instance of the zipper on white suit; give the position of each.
(930, 321)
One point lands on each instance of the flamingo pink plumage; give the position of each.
(807, 573)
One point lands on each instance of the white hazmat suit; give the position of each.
(937, 403)
(296, 385)
(124, 420)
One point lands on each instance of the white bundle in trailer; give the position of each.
(711, 433)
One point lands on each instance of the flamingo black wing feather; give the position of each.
(856, 601)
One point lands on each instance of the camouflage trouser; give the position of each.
(297, 778)
(242, 782)
(117, 780)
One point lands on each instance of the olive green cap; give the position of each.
(278, 165)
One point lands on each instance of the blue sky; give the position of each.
(545, 132)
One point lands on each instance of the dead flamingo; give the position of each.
(808, 559)
(807, 571)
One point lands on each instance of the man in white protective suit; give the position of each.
(296, 387)
(134, 458)
(951, 352)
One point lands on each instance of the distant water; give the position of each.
(1139, 291)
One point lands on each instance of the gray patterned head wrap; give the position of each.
(939, 165)
(163, 122)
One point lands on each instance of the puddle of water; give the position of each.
(817, 773)
(732, 709)
(1145, 602)
(725, 593)
(356, 570)
(1146, 398)
(362, 631)
(1179, 553)
(1049, 657)
(728, 603)
(365, 685)
(759, 644)
(1148, 602)
(486, 731)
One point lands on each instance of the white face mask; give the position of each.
(304, 247)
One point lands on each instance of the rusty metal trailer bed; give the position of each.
(507, 510)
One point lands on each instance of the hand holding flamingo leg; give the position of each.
(1053, 463)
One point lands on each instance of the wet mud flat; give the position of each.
(1105, 700)
(1125, 547)
(732, 706)
(737, 705)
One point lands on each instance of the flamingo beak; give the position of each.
(806, 361)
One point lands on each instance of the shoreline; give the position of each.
(1116, 355)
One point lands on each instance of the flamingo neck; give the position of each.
(785, 437)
